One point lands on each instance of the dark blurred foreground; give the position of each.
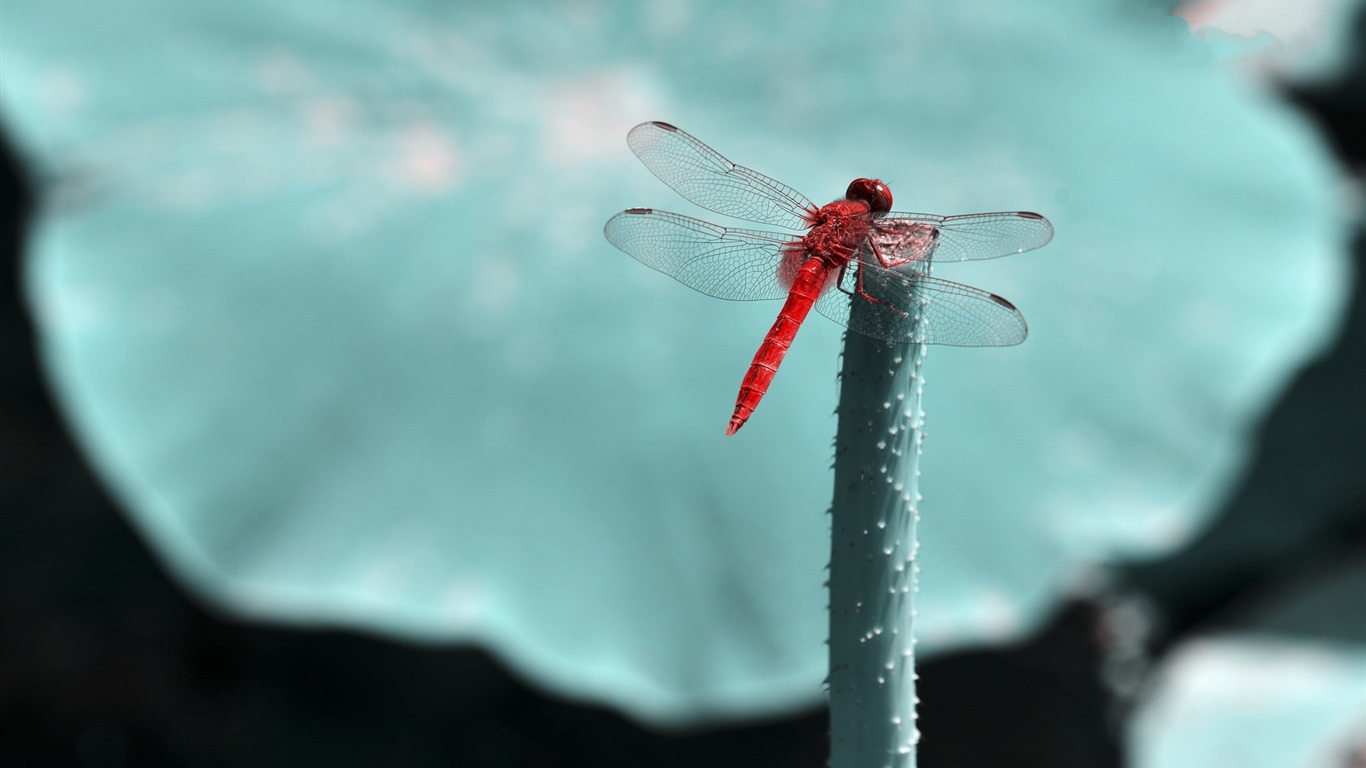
(104, 662)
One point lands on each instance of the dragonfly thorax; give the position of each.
(840, 228)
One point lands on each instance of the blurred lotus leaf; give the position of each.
(1255, 701)
(323, 292)
(1281, 682)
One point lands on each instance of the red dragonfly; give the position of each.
(859, 263)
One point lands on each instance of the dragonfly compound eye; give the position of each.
(870, 191)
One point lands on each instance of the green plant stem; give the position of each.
(873, 556)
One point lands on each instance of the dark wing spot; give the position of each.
(668, 127)
(1002, 301)
(639, 210)
(1030, 215)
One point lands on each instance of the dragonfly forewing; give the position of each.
(700, 174)
(969, 237)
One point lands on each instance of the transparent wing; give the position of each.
(728, 263)
(912, 307)
(968, 237)
(704, 177)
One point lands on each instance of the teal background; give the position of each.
(322, 291)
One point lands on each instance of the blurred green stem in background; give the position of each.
(873, 556)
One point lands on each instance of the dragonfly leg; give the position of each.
(889, 263)
(867, 295)
(839, 281)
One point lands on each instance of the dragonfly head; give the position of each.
(870, 191)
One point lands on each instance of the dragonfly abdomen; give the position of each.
(806, 288)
